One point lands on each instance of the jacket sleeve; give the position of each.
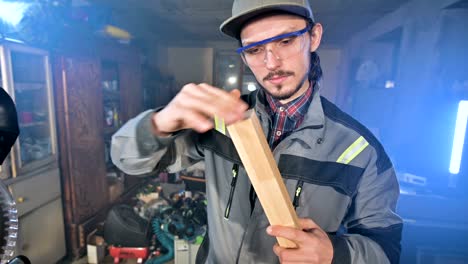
(372, 228)
(136, 150)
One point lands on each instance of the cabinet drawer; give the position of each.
(41, 234)
(36, 191)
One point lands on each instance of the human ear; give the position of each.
(315, 37)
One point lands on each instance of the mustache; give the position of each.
(279, 73)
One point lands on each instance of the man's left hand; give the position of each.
(313, 243)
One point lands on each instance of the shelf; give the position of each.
(111, 167)
(29, 86)
(110, 130)
(33, 124)
(111, 92)
(111, 95)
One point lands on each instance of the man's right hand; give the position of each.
(195, 106)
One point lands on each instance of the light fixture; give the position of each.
(232, 80)
(231, 66)
(389, 84)
(12, 12)
(251, 87)
(459, 137)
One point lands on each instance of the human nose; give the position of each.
(272, 61)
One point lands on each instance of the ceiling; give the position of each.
(182, 21)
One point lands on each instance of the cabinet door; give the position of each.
(29, 192)
(131, 90)
(28, 80)
(80, 120)
(5, 168)
(41, 235)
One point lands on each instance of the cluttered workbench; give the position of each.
(166, 222)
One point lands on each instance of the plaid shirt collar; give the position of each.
(285, 118)
(296, 109)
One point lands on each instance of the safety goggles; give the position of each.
(282, 46)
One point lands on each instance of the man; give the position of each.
(340, 180)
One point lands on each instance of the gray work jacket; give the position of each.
(335, 170)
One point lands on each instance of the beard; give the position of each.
(279, 87)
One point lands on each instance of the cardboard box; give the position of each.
(185, 252)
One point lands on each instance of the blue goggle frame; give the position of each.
(287, 35)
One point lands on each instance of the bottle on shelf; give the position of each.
(116, 117)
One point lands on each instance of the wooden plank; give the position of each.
(258, 161)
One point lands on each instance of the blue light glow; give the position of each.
(12, 12)
(459, 137)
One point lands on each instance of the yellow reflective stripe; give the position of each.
(352, 151)
(219, 125)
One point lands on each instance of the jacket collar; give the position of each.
(315, 116)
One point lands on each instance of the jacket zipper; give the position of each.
(297, 194)
(235, 171)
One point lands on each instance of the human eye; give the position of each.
(254, 50)
(286, 41)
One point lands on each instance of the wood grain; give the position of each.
(82, 133)
(258, 161)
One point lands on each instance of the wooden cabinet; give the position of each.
(97, 91)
